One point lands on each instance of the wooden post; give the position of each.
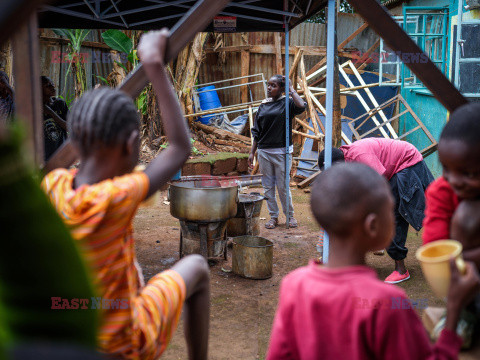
(245, 65)
(317, 66)
(293, 70)
(28, 100)
(6, 58)
(352, 36)
(313, 113)
(337, 110)
(278, 53)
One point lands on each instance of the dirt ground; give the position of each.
(242, 310)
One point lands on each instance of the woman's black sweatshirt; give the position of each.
(269, 128)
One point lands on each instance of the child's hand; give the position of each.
(151, 49)
(463, 287)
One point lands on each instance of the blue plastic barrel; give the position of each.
(178, 175)
(208, 100)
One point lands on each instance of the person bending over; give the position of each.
(98, 203)
(403, 166)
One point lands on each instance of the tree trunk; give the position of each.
(6, 58)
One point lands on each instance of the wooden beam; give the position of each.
(278, 52)
(222, 134)
(305, 125)
(270, 49)
(310, 136)
(397, 40)
(58, 40)
(28, 100)
(308, 180)
(292, 75)
(337, 110)
(352, 36)
(363, 61)
(245, 71)
(313, 113)
(317, 66)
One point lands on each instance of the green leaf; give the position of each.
(62, 33)
(121, 65)
(117, 40)
(132, 57)
(102, 79)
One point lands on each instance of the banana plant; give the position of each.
(76, 61)
(120, 42)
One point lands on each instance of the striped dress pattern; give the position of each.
(138, 321)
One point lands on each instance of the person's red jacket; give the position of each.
(441, 203)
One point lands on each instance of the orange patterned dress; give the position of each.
(137, 321)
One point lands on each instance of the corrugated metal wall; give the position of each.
(306, 34)
(58, 71)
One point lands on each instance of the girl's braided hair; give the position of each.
(102, 117)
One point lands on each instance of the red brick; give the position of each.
(242, 165)
(224, 166)
(196, 168)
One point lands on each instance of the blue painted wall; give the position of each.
(428, 109)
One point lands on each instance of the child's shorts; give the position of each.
(156, 313)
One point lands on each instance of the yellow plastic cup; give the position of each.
(434, 259)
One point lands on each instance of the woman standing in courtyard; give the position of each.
(270, 144)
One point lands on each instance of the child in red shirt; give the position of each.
(459, 153)
(341, 310)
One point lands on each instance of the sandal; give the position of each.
(271, 224)
(293, 223)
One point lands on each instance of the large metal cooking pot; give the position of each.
(202, 199)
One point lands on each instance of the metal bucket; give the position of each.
(252, 257)
(247, 220)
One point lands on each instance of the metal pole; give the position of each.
(287, 125)
(331, 34)
(459, 41)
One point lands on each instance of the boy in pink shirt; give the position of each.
(341, 310)
(403, 166)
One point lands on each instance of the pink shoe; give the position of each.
(395, 277)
